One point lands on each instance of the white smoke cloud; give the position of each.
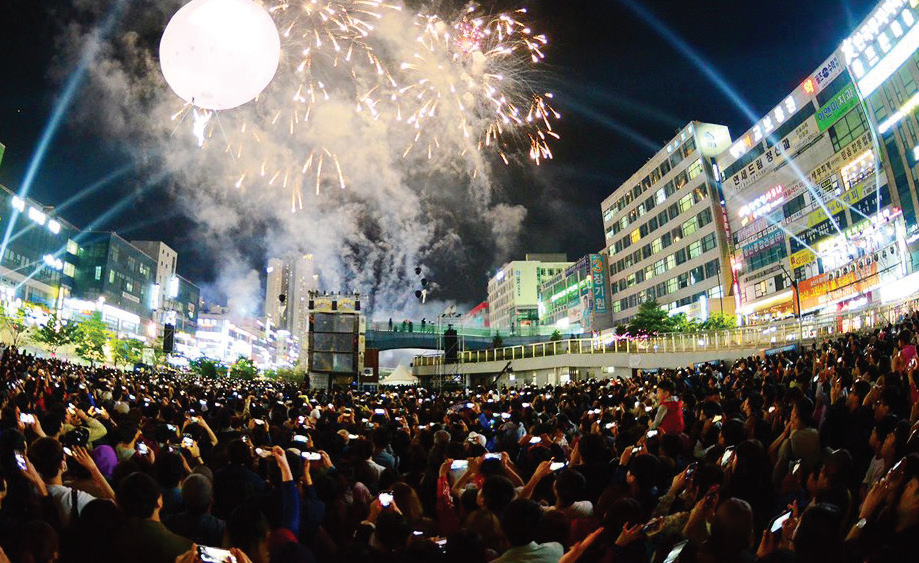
(438, 210)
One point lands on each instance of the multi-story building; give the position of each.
(808, 204)
(277, 285)
(575, 299)
(224, 337)
(665, 231)
(513, 293)
(34, 266)
(115, 272)
(477, 317)
(185, 306)
(293, 278)
(882, 58)
(173, 299)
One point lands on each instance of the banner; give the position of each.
(599, 288)
(838, 106)
(801, 258)
(773, 157)
(822, 289)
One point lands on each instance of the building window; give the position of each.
(98, 273)
(711, 268)
(686, 203)
(656, 246)
(689, 226)
(111, 276)
(694, 169)
(848, 129)
(695, 249)
(705, 217)
(708, 242)
(680, 256)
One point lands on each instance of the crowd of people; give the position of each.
(804, 456)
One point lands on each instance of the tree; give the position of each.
(622, 330)
(497, 341)
(650, 319)
(55, 333)
(719, 321)
(556, 336)
(681, 323)
(15, 323)
(244, 369)
(94, 335)
(127, 352)
(206, 368)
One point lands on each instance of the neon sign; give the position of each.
(763, 204)
(884, 42)
(766, 126)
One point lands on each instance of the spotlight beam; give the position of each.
(92, 48)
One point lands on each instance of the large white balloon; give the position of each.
(220, 54)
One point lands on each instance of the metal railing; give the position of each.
(432, 328)
(760, 337)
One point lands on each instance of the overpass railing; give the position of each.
(432, 328)
(760, 337)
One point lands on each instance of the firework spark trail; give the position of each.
(471, 76)
(479, 67)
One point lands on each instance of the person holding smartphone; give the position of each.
(48, 458)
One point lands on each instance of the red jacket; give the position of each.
(673, 420)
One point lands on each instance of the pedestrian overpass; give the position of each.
(400, 336)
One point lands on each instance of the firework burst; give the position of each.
(439, 87)
(476, 74)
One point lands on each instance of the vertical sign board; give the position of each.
(596, 271)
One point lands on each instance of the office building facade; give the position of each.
(294, 278)
(576, 299)
(35, 266)
(173, 299)
(118, 275)
(882, 56)
(816, 223)
(665, 233)
(513, 293)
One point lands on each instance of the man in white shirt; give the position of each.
(48, 457)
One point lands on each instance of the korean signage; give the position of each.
(825, 288)
(839, 205)
(599, 289)
(824, 229)
(851, 151)
(764, 203)
(767, 239)
(773, 157)
(838, 106)
(801, 258)
(830, 70)
(886, 39)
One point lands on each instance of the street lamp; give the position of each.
(794, 285)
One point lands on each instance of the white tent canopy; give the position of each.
(400, 376)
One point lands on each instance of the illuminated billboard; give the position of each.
(884, 41)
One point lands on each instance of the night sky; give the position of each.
(621, 86)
